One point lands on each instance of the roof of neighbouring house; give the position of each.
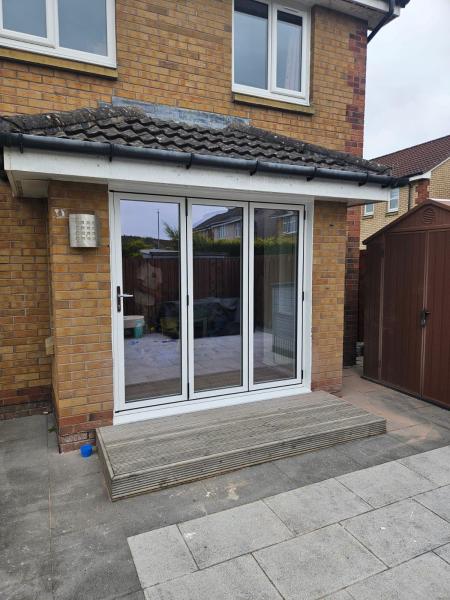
(131, 126)
(417, 159)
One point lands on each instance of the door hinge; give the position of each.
(187, 300)
(302, 374)
(303, 296)
(188, 390)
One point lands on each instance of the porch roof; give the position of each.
(132, 127)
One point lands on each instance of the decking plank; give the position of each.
(158, 453)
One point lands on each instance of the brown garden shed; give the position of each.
(407, 304)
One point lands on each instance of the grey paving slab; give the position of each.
(376, 450)
(24, 539)
(400, 531)
(160, 556)
(426, 436)
(219, 537)
(316, 564)
(246, 485)
(240, 578)
(435, 414)
(93, 564)
(24, 430)
(438, 501)
(37, 588)
(444, 552)
(312, 467)
(316, 505)
(426, 577)
(386, 483)
(435, 465)
(342, 595)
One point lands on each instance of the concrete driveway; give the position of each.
(61, 537)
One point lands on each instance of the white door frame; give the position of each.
(117, 317)
(180, 404)
(301, 239)
(193, 395)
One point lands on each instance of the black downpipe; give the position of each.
(22, 141)
(387, 17)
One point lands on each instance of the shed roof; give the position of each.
(440, 204)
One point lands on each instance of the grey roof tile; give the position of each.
(133, 127)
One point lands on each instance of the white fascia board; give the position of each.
(371, 11)
(426, 175)
(141, 176)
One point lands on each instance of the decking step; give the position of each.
(158, 453)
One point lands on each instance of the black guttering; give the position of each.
(23, 141)
(387, 17)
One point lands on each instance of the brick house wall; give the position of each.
(176, 54)
(440, 181)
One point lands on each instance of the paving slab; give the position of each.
(93, 564)
(426, 436)
(386, 483)
(160, 556)
(444, 552)
(435, 465)
(317, 505)
(221, 536)
(239, 578)
(400, 531)
(437, 500)
(316, 564)
(376, 450)
(426, 577)
(319, 465)
(343, 595)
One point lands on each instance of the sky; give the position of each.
(408, 79)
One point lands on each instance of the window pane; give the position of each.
(82, 25)
(275, 296)
(250, 43)
(369, 209)
(289, 51)
(394, 199)
(25, 16)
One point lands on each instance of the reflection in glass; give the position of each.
(25, 16)
(83, 26)
(250, 43)
(275, 294)
(289, 51)
(217, 284)
(151, 273)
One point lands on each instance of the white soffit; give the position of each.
(34, 168)
(371, 11)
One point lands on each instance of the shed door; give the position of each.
(436, 376)
(403, 299)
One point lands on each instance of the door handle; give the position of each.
(119, 298)
(424, 314)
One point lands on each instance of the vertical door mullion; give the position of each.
(117, 280)
(251, 293)
(190, 294)
(184, 317)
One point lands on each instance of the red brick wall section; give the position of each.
(422, 191)
(24, 306)
(81, 302)
(355, 115)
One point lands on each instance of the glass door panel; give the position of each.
(275, 257)
(216, 312)
(151, 288)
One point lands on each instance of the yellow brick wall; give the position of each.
(440, 182)
(81, 323)
(381, 218)
(24, 308)
(179, 54)
(330, 236)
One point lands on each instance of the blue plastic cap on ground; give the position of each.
(86, 450)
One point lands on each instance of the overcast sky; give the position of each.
(408, 79)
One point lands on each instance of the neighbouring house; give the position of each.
(126, 125)
(426, 167)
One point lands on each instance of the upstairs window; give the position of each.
(394, 200)
(271, 50)
(76, 29)
(290, 224)
(369, 210)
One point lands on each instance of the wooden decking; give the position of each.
(158, 453)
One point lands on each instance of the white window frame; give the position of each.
(394, 209)
(369, 209)
(273, 92)
(50, 44)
